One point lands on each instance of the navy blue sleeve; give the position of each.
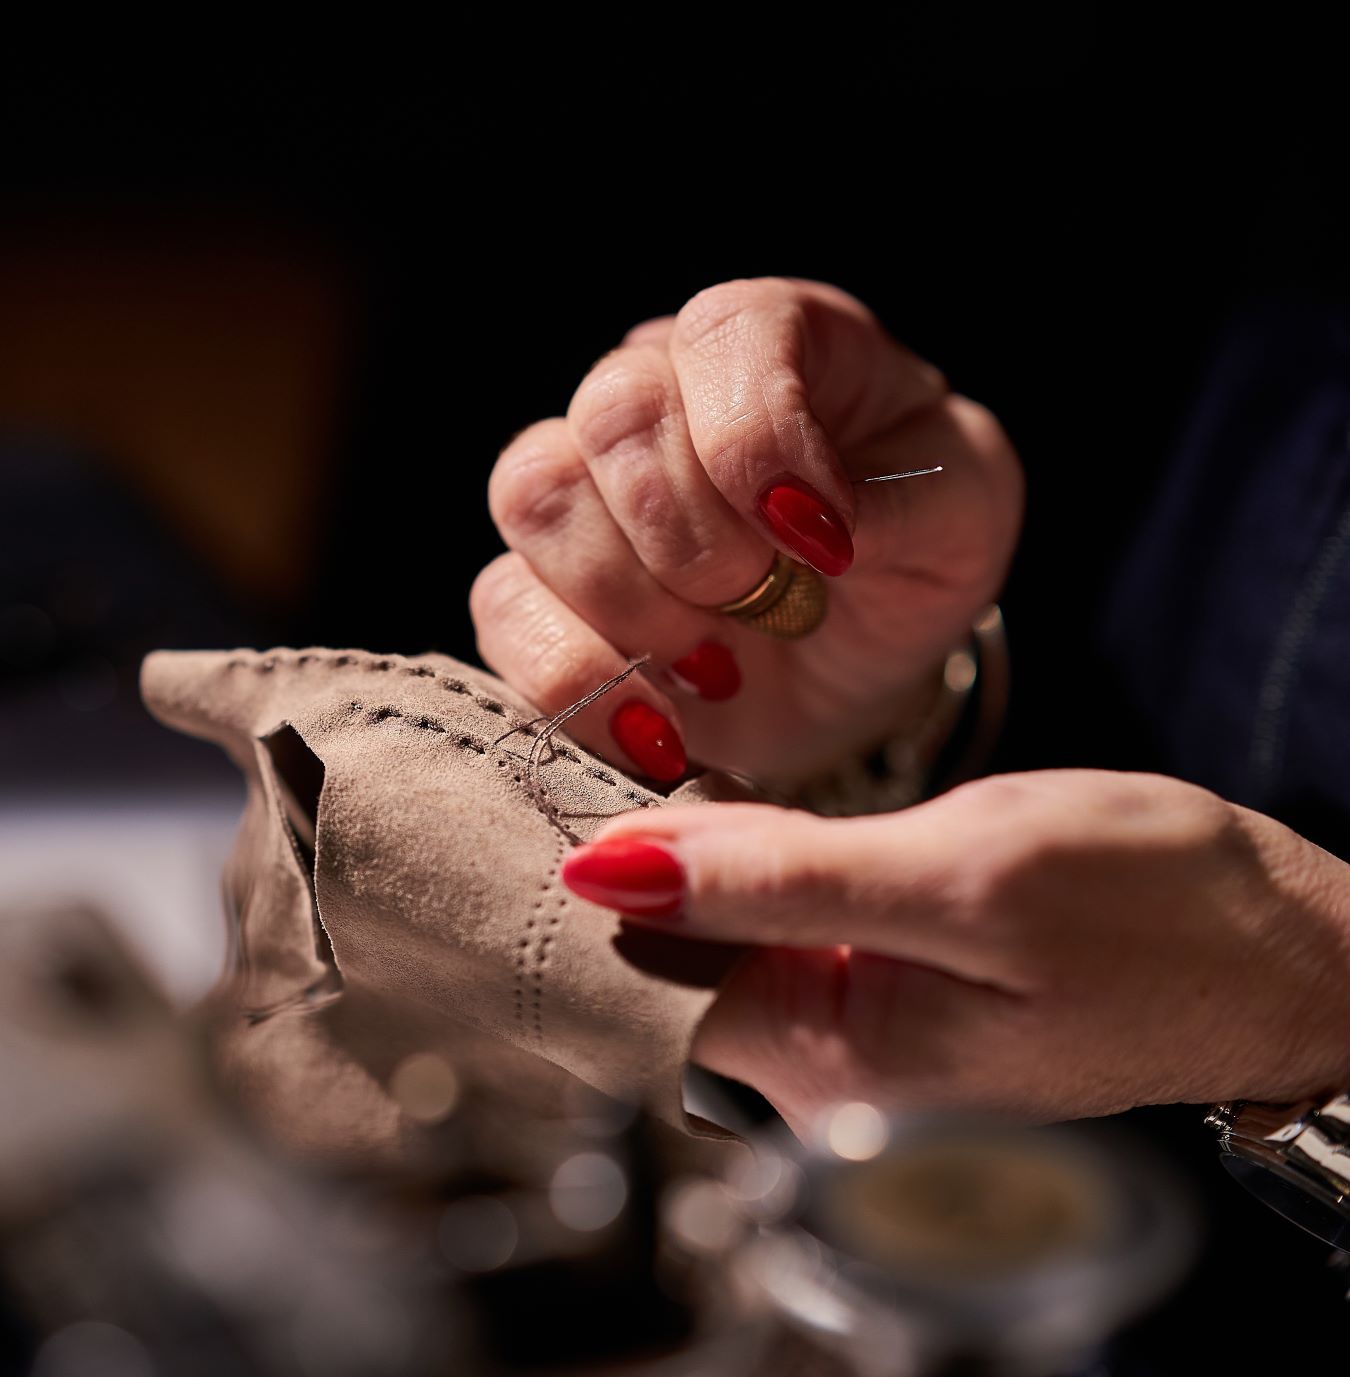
(1229, 622)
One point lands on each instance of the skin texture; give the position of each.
(1056, 944)
(639, 509)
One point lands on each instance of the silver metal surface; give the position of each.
(891, 477)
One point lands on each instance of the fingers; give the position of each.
(553, 657)
(746, 873)
(704, 439)
(774, 373)
(961, 524)
(654, 331)
(549, 510)
(628, 424)
(812, 1028)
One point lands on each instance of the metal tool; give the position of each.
(891, 477)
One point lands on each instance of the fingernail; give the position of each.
(635, 877)
(709, 670)
(808, 526)
(649, 740)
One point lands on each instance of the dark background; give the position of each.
(1063, 234)
(1063, 231)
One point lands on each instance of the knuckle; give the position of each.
(1189, 816)
(624, 401)
(646, 500)
(557, 671)
(999, 882)
(991, 806)
(724, 313)
(531, 488)
(507, 610)
(652, 331)
(496, 588)
(983, 433)
(980, 424)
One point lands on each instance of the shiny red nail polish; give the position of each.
(649, 740)
(633, 876)
(709, 670)
(808, 526)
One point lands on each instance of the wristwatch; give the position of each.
(1294, 1157)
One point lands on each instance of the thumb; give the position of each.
(754, 874)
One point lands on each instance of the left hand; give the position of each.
(1054, 945)
(688, 455)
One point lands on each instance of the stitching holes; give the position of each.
(542, 931)
(268, 664)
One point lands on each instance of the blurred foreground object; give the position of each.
(140, 1231)
(145, 1229)
(936, 1243)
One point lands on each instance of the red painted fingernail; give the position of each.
(709, 670)
(808, 526)
(635, 877)
(649, 740)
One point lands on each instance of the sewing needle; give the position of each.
(891, 477)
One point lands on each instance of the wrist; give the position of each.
(940, 732)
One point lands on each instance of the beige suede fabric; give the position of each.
(394, 888)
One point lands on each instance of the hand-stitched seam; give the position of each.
(424, 722)
(541, 929)
(525, 953)
(542, 926)
(379, 665)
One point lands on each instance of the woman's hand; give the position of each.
(688, 455)
(1056, 945)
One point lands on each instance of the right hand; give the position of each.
(629, 517)
(1050, 945)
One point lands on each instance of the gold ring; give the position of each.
(788, 602)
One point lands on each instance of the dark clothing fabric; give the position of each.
(1228, 631)
(1229, 625)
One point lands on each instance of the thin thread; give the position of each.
(425, 722)
(537, 792)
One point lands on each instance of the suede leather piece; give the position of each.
(433, 917)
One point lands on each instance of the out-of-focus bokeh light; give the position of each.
(764, 1183)
(588, 1191)
(701, 1217)
(425, 1087)
(959, 673)
(478, 1234)
(856, 1132)
(93, 1349)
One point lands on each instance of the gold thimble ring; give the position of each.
(789, 602)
